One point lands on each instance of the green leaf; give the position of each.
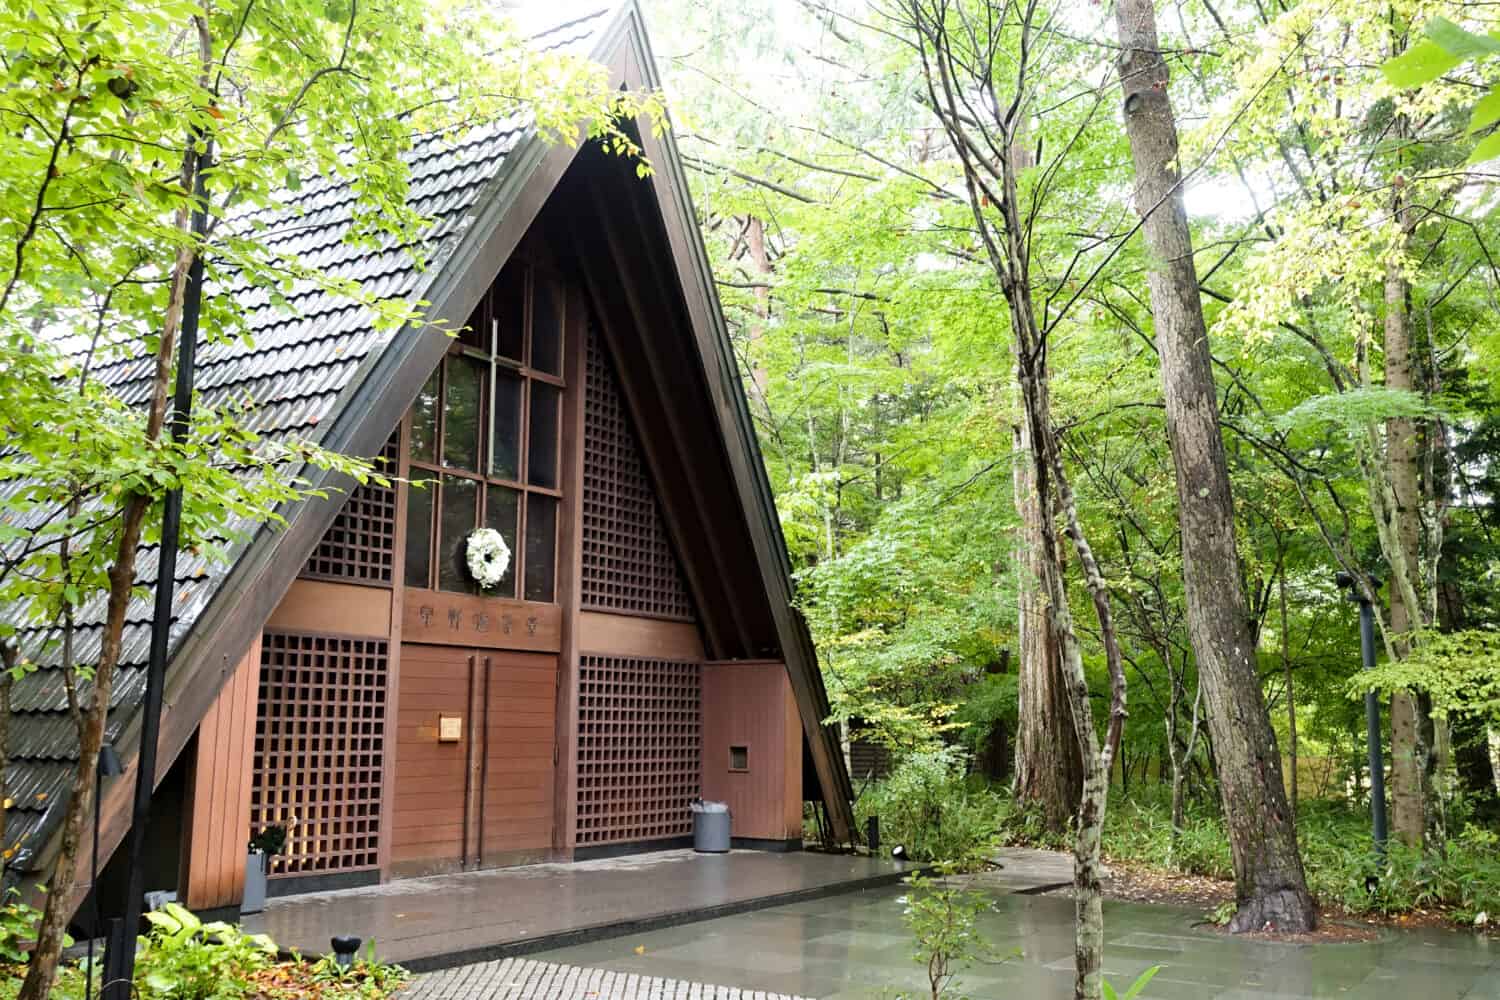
(1460, 42)
(1140, 983)
(1488, 148)
(1486, 112)
(1422, 63)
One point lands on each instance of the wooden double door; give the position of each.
(475, 759)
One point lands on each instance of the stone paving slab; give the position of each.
(1024, 869)
(528, 979)
(440, 921)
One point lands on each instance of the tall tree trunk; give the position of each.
(1049, 766)
(1411, 724)
(760, 260)
(1492, 738)
(1291, 699)
(1049, 763)
(1270, 886)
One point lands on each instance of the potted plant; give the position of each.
(263, 847)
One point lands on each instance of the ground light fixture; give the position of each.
(345, 947)
(899, 852)
(1360, 595)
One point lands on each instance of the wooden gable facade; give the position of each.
(340, 675)
(398, 721)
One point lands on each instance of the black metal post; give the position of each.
(88, 983)
(119, 966)
(1372, 727)
(109, 766)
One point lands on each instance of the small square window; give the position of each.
(739, 758)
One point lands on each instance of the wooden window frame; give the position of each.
(435, 471)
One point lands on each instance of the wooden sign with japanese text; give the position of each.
(468, 620)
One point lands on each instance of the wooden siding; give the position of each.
(487, 798)
(751, 705)
(868, 760)
(218, 804)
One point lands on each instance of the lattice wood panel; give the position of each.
(628, 563)
(361, 544)
(639, 725)
(320, 750)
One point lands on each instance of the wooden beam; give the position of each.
(570, 569)
(389, 760)
(633, 635)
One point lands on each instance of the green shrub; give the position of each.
(365, 978)
(928, 805)
(186, 959)
(1140, 829)
(18, 924)
(1026, 826)
(1344, 869)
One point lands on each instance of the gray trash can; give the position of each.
(255, 883)
(710, 827)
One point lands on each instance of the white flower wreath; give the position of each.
(488, 557)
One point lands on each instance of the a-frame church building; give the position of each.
(346, 678)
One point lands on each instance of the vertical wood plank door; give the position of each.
(486, 798)
(518, 713)
(428, 830)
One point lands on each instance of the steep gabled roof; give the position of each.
(322, 371)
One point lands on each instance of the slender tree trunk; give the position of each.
(1291, 698)
(760, 260)
(1411, 725)
(1270, 886)
(994, 201)
(1049, 768)
(1492, 737)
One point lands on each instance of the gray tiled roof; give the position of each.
(302, 356)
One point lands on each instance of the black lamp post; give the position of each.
(119, 961)
(1372, 705)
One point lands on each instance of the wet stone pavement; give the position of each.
(856, 945)
(446, 920)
